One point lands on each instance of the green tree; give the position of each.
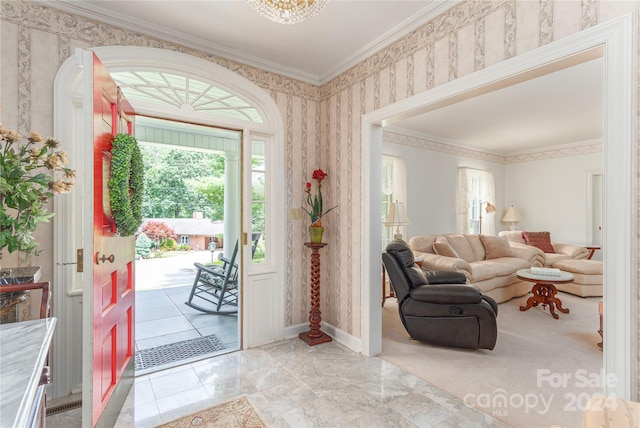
(212, 190)
(171, 182)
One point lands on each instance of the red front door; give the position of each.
(113, 256)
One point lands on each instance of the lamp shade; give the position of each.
(397, 216)
(511, 215)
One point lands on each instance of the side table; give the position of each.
(592, 249)
(315, 336)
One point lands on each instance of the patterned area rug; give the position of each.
(238, 413)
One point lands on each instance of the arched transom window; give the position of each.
(185, 93)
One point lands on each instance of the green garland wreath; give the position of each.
(126, 184)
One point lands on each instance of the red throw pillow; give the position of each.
(541, 240)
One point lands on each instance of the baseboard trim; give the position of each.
(344, 338)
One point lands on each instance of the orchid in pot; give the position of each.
(31, 172)
(316, 210)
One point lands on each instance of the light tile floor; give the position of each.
(294, 385)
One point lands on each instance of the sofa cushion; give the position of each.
(587, 267)
(481, 271)
(515, 263)
(496, 246)
(541, 240)
(513, 235)
(423, 243)
(443, 248)
(551, 259)
(462, 246)
(477, 246)
(502, 266)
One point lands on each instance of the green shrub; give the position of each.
(143, 246)
(168, 245)
(184, 247)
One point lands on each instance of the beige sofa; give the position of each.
(562, 251)
(489, 262)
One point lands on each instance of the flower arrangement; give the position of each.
(26, 187)
(316, 212)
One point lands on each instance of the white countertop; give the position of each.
(23, 352)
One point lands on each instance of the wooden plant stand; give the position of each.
(315, 336)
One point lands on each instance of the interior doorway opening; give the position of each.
(617, 138)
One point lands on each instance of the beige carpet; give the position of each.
(541, 373)
(238, 413)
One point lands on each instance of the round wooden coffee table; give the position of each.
(544, 291)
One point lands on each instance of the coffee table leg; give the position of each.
(534, 299)
(554, 299)
(545, 294)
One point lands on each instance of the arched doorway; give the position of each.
(263, 292)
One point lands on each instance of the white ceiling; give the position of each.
(556, 109)
(561, 108)
(316, 50)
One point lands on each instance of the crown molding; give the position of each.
(177, 37)
(426, 14)
(410, 138)
(144, 27)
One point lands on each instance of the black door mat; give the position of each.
(178, 351)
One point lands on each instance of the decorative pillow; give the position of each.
(496, 246)
(541, 240)
(443, 248)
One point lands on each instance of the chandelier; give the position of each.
(288, 11)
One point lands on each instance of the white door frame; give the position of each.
(614, 38)
(69, 126)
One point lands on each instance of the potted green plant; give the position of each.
(32, 170)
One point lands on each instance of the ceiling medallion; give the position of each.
(288, 11)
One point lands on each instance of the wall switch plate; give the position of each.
(295, 214)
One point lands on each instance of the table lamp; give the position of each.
(397, 216)
(511, 216)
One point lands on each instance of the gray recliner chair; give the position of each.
(437, 307)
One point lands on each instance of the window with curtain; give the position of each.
(394, 187)
(476, 188)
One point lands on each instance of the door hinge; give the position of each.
(244, 238)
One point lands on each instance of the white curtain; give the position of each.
(475, 189)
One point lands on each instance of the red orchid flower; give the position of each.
(319, 175)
